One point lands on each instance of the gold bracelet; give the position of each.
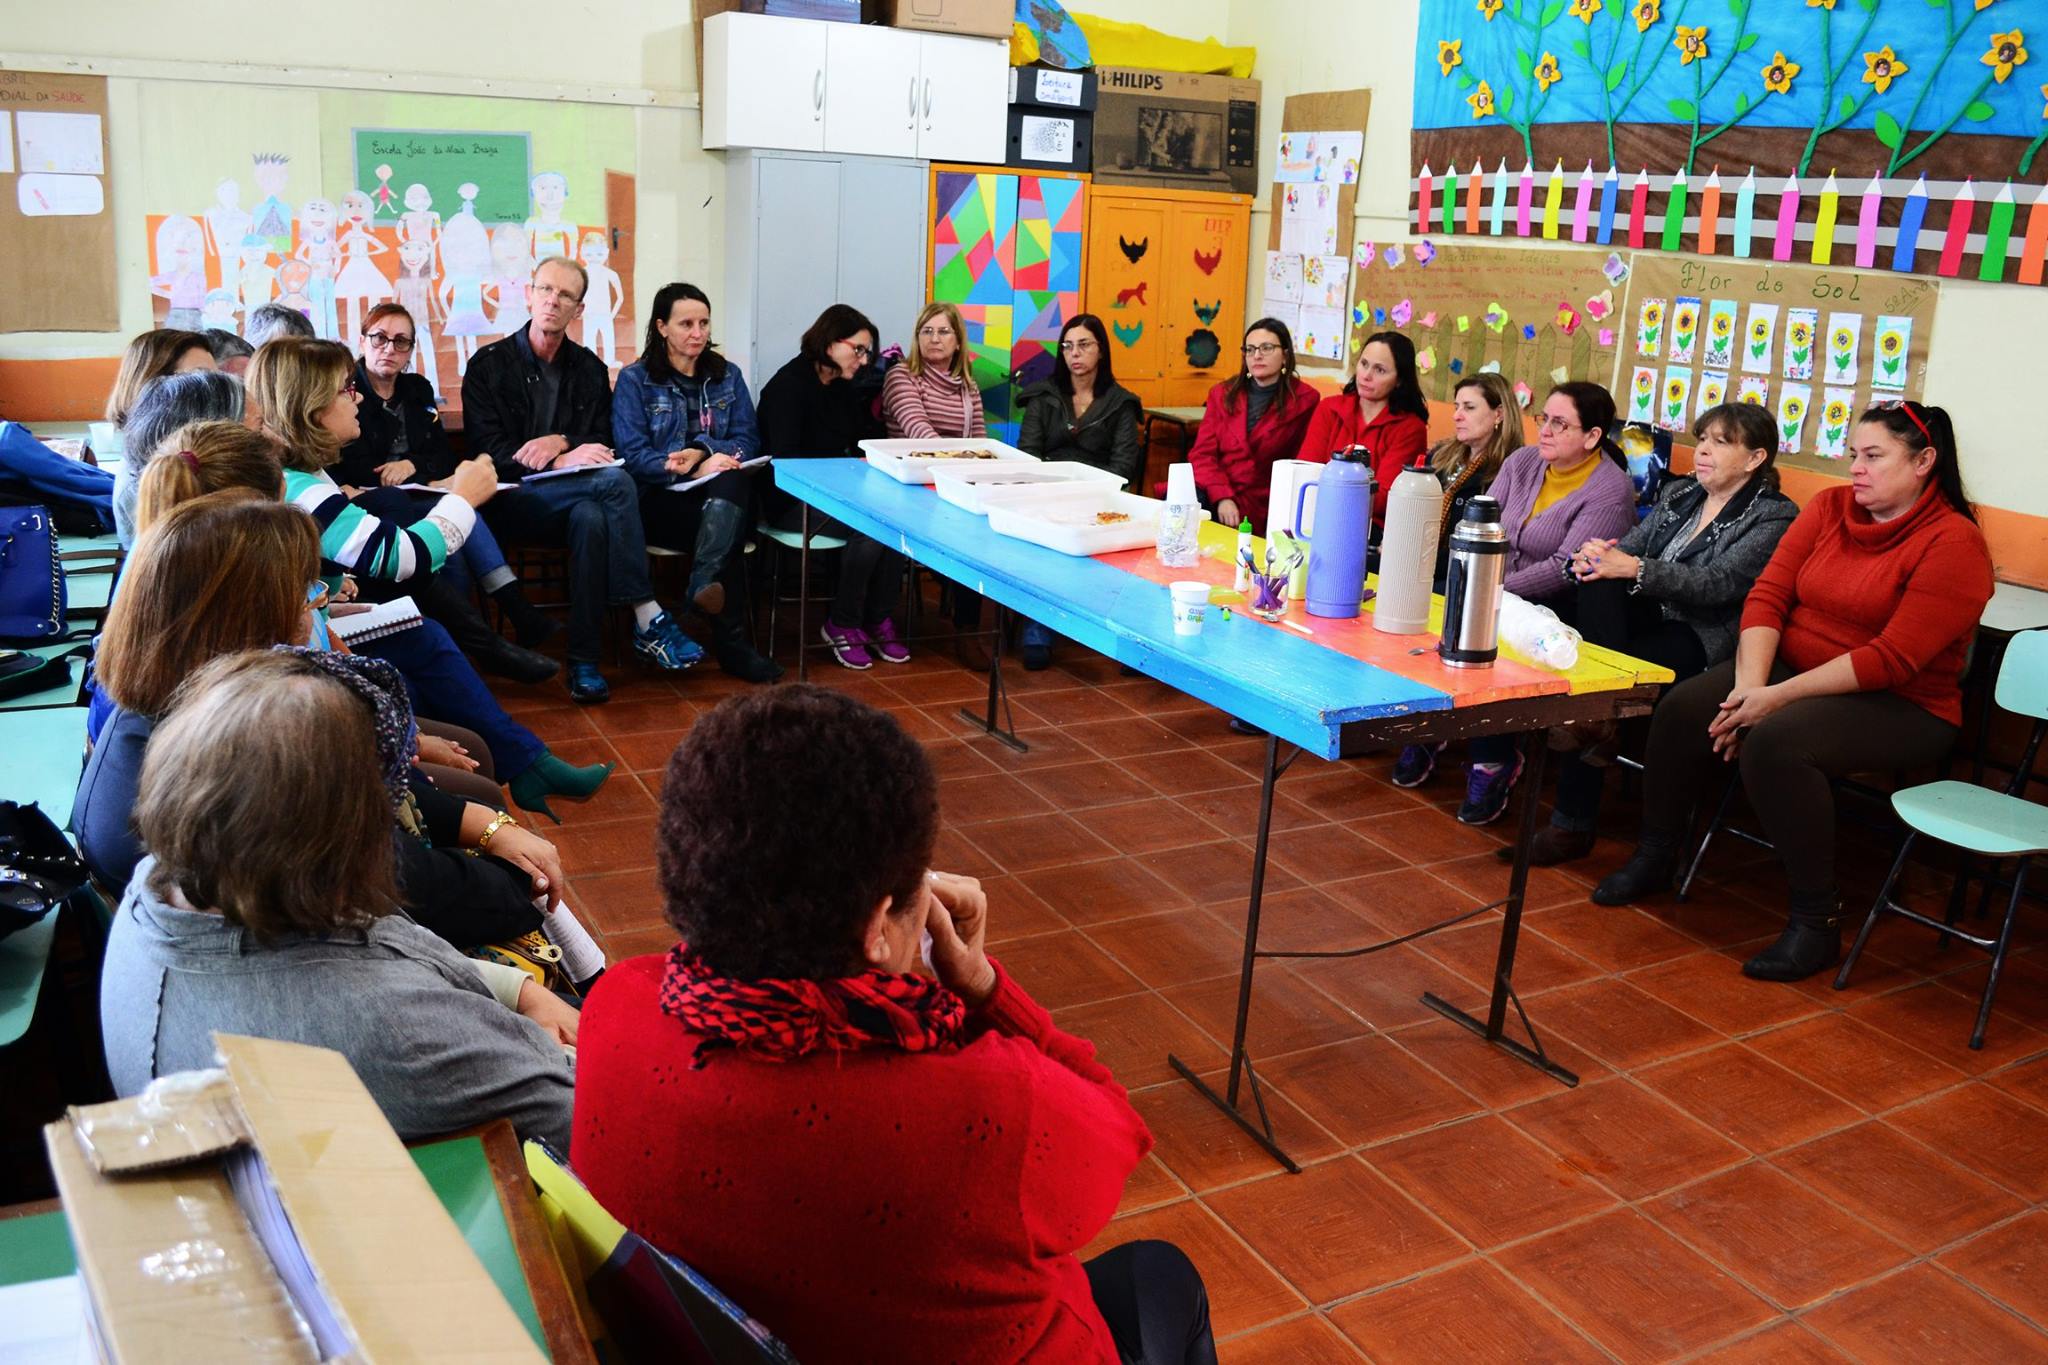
(498, 822)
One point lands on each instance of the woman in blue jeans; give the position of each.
(681, 413)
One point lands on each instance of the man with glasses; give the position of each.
(540, 404)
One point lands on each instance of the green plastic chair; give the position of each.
(1996, 824)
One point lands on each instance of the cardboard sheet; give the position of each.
(56, 228)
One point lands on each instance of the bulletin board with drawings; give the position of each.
(1814, 345)
(1315, 199)
(1537, 316)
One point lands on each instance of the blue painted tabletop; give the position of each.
(1292, 687)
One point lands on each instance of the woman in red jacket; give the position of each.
(1248, 423)
(1382, 409)
(1850, 660)
(878, 1165)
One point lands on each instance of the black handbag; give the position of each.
(38, 866)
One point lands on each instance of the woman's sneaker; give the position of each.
(849, 646)
(1415, 764)
(1487, 789)
(887, 643)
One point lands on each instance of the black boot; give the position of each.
(719, 527)
(729, 643)
(1809, 945)
(1649, 871)
(530, 624)
(488, 650)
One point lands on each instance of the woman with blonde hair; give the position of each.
(928, 396)
(150, 356)
(1486, 428)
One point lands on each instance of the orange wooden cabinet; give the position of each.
(1166, 274)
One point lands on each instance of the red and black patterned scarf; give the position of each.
(782, 1020)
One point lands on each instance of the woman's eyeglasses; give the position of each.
(862, 352)
(1078, 344)
(935, 334)
(1263, 348)
(387, 341)
(1548, 423)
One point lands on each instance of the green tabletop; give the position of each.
(45, 754)
(39, 1247)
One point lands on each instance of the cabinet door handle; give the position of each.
(927, 102)
(818, 94)
(913, 101)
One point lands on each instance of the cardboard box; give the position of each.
(971, 18)
(1049, 140)
(1049, 87)
(267, 1212)
(1171, 130)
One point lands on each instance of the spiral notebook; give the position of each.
(385, 618)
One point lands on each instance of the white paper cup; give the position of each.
(1190, 607)
(1180, 482)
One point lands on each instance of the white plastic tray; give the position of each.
(964, 484)
(899, 458)
(1062, 517)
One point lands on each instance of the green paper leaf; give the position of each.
(1741, 105)
(1618, 74)
(1738, 8)
(1683, 110)
(1505, 104)
(1868, 5)
(1888, 131)
(1977, 111)
(1526, 62)
(1748, 41)
(1848, 106)
(1464, 81)
(1551, 11)
(1580, 46)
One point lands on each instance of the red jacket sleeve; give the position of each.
(1085, 1138)
(1401, 443)
(1944, 598)
(1206, 453)
(1770, 601)
(1323, 432)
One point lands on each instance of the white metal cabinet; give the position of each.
(764, 81)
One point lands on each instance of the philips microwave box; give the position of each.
(1049, 87)
(1177, 131)
(266, 1211)
(969, 18)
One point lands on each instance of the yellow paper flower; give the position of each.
(1722, 325)
(1481, 100)
(1889, 344)
(1801, 332)
(1820, 4)
(1837, 412)
(1882, 67)
(1546, 72)
(1983, 4)
(1584, 10)
(1489, 8)
(1653, 314)
(1843, 339)
(1691, 44)
(2008, 50)
(1447, 55)
(1778, 75)
(1645, 12)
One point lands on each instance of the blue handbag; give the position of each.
(31, 577)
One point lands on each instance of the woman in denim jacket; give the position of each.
(681, 414)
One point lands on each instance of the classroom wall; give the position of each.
(1310, 45)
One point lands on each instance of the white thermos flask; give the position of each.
(1415, 509)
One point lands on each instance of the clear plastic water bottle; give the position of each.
(1180, 521)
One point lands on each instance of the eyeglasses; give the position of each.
(1077, 344)
(1557, 424)
(349, 390)
(934, 333)
(862, 352)
(1263, 348)
(549, 292)
(387, 341)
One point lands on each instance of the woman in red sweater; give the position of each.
(1850, 660)
(878, 1165)
(1382, 409)
(1248, 423)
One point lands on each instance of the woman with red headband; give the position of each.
(1850, 660)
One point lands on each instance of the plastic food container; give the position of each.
(1067, 517)
(964, 486)
(911, 461)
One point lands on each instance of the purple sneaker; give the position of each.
(1487, 788)
(886, 642)
(849, 646)
(1414, 765)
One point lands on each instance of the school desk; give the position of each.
(479, 1177)
(1315, 686)
(45, 751)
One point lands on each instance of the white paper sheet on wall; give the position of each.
(67, 144)
(6, 142)
(1308, 221)
(1283, 277)
(1331, 158)
(1325, 281)
(1321, 333)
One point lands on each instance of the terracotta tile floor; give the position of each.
(1748, 1172)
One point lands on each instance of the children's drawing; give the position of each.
(1758, 336)
(292, 278)
(1894, 343)
(1800, 326)
(1837, 407)
(1642, 394)
(512, 269)
(1720, 335)
(218, 310)
(1685, 329)
(1677, 399)
(384, 195)
(1792, 404)
(1284, 276)
(419, 219)
(1753, 389)
(415, 286)
(252, 267)
(1713, 390)
(360, 283)
(547, 233)
(465, 261)
(1845, 339)
(227, 223)
(180, 274)
(273, 216)
(318, 250)
(603, 299)
(1650, 329)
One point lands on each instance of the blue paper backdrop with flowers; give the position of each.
(1880, 94)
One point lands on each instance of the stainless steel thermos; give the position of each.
(1472, 590)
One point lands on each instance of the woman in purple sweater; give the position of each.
(1554, 497)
